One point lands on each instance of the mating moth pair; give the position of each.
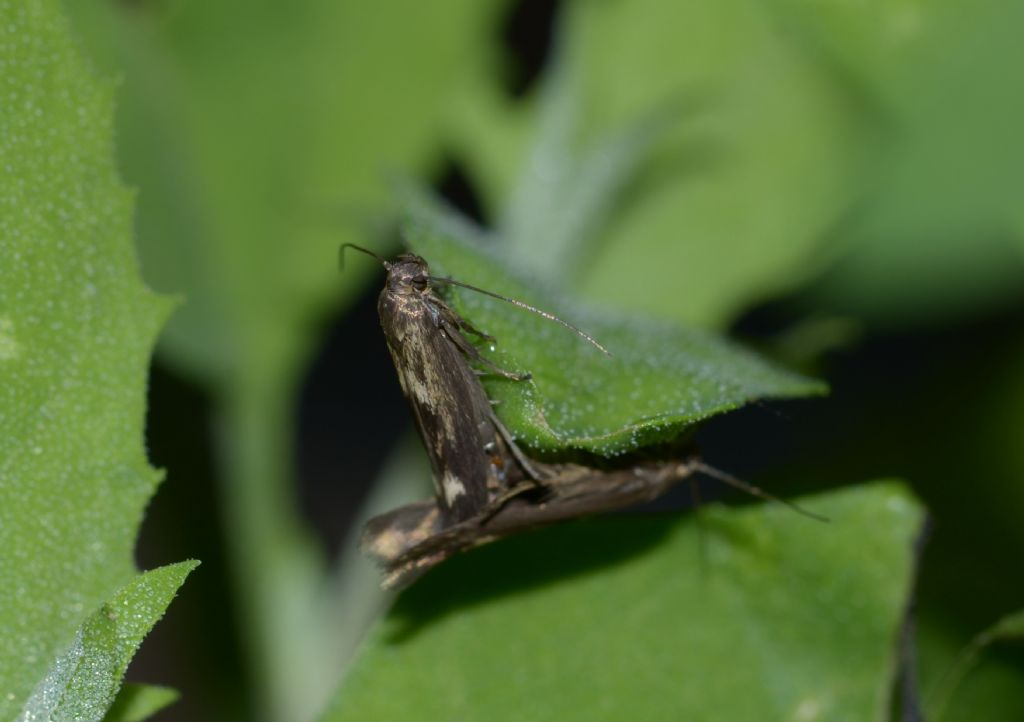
(486, 487)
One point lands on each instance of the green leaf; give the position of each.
(941, 233)
(973, 488)
(875, 139)
(83, 681)
(1010, 627)
(659, 380)
(76, 329)
(614, 619)
(260, 135)
(256, 159)
(137, 702)
(755, 160)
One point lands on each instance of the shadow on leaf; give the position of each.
(525, 562)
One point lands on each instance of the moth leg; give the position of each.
(524, 461)
(466, 326)
(470, 350)
(446, 316)
(497, 504)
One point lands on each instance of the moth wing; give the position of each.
(451, 409)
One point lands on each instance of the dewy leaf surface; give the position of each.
(614, 619)
(660, 378)
(82, 683)
(76, 329)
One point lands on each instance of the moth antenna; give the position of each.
(341, 255)
(749, 488)
(526, 306)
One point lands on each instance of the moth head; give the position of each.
(409, 274)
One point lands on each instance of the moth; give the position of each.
(485, 486)
(473, 457)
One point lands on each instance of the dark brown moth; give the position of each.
(485, 486)
(473, 458)
(409, 540)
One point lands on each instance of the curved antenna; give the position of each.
(707, 470)
(526, 306)
(367, 251)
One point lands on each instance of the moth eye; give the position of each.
(419, 283)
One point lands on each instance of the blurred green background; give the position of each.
(839, 184)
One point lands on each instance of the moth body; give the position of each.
(471, 460)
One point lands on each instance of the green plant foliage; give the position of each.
(614, 619)
(256, 159)
(1010, 627)
(659, 380)
(941, 232)
(76, 329)
(753, 160)
(82, 683)
(960, 444)
(675, 162)
(260, 136)
(875, 137)
(136, 702)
